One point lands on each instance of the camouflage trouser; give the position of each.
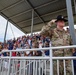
(61, 68)
(68, 66)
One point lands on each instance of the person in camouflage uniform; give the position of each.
(59, 37)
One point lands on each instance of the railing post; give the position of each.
(72, 67)
(9, 67)
(51, 62)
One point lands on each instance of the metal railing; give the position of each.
(34, 65)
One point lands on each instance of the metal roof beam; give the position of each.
(11, 5)
(26, 20)
(43, 15)
(43, 5)
(37, 23)
(34, 30)
(30, 25)
(20, 13)
(55, 12)
(35, 10)
(37, 30)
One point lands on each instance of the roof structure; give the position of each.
(19, 12)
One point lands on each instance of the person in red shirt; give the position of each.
(14, 53)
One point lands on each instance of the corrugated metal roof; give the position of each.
(19, 12)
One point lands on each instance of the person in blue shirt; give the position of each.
(10, 44)
(46, 51)
(74, 62)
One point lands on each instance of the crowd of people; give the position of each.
(26, 42)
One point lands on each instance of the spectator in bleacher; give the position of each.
(14, 53)
(46, 51)
(42, 38)
(26, 45)
(5, 54)
(22, 43)
(29, 41)
(10, 44)
(38, 52)
(5, 48)
(19, 46)
(74, 61)
(0, 49)
(67, 29)
(19, 54)
(14, 40)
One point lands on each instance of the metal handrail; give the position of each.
(50, 58)
(35, 49)
(40, 58)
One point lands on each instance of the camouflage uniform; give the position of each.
(59, 38)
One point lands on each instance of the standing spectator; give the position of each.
(67, 29)
(10, 44)
(0, 51)
(5, 62)
(5, 48)
(0, 48)
(47, 51)
(14, 53)
(29, 41)
(26, 46)
(19, 48)
(74, 61)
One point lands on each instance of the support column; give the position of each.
(71, 21)
(32, 23)
(5, 32)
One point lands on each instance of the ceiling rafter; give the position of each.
(42, 15)
(30, 25)
(61, 10)
(20, 13)
(11, 5)
(34, 8)
(35, 11)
